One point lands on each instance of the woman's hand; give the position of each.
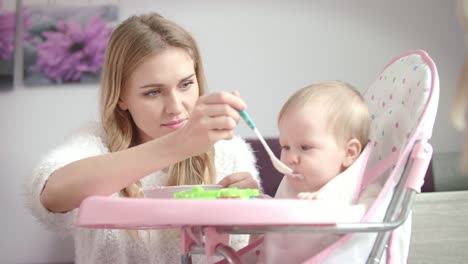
(213, 118)
(240, 180)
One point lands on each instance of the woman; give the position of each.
(157, 128)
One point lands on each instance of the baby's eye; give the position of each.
(153, 93)
(306, 147)
(285, 147)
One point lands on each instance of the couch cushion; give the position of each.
(271, 178)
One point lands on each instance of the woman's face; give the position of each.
(161, 93)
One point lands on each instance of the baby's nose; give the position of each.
(292, 158)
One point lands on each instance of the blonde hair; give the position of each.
(133, 41)
(343, 105)
(460, 101)
(459, 111)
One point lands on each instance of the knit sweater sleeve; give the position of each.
(84, 143)
(234, 156)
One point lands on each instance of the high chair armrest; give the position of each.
(421, 156)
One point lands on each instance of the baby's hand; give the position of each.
(309, 196)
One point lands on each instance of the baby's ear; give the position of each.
(352, 150)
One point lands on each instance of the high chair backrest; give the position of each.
(403, 103)
(399, 104)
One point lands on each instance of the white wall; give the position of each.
(265, 49)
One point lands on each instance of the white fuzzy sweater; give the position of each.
(115, 246)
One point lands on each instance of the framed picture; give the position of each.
(66, 44)
(7, 43)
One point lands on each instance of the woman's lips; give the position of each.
(175, 124)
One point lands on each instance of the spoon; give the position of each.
(279, 166)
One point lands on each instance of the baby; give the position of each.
(323, 129)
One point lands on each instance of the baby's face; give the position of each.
(309, 148)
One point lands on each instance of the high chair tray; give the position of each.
(141, 213)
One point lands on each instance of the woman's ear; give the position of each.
(352, 150)
(122, 105)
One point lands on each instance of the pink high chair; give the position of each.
(403, 104)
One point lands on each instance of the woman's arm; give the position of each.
(213, 118)
(105, 174)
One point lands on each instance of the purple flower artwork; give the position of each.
(7, 35)
(68, 44)
(72, 50)
(7, 43)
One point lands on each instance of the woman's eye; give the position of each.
(153, 93)
(187, 85)
(305, 147)
(284, 147)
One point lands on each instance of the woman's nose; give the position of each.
(173, 103)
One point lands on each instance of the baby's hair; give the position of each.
(344, 106)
